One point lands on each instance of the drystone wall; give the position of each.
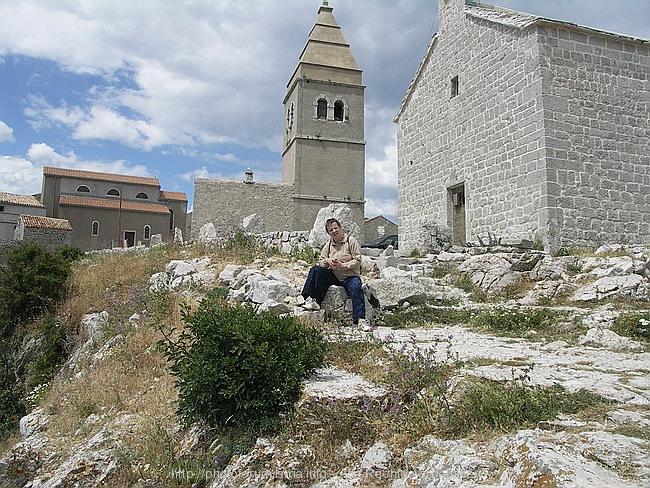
(51, 238)
(225, 203)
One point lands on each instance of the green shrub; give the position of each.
(51, 353)
(306, 253)
(415, 253)
(235, 367)
(12, 406)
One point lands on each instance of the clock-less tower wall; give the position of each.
(323, 155)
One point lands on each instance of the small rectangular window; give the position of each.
(2, 208)
(454, 87)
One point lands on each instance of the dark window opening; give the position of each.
(171, 219)
(95, 228)
(142, 195)
(338, 110)
(113, 192)
(321, 109)
(83, 189)
(146, 233)
(2, 208)
(454, 87)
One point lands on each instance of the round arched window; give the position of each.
(339, 108)
(113, 192)
(321, 109)
(142, 195)
(83, 189)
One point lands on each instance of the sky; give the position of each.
(180, 89)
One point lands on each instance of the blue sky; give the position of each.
(183, 89)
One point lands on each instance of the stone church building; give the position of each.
(323, 143)
(526, 128)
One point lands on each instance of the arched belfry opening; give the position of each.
(324, 145)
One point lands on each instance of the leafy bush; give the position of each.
(51, 353)
(11, 405)
(306, 253)
(234, 367)
(32, 282)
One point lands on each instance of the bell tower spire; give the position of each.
(324, 148)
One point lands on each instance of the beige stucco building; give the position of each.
(109, 210)
(323, 156)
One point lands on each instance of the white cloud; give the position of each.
(24, 175)
(19, 175)
(6, 133)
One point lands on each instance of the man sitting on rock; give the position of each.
(339, 264)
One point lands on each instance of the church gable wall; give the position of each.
(548, 133)
(474, 119)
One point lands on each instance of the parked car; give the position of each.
(382, 242)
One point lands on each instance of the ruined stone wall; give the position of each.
(226, 203)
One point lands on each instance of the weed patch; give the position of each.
(515, 321)
(431, 311)
(635, 325)
(484, 406)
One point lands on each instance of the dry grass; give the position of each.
(103, 279)
(133, 379)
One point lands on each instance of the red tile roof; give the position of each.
(173, 195)
(27, 200)
(112, 204)
(38, 222)
(93, 175)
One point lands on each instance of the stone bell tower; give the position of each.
(323, 154)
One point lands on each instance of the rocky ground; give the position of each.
(560, 452)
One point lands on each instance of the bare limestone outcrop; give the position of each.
(562, 452)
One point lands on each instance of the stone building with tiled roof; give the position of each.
(108, 210)
(46, 230)
(526, 128)
(378, 226)
(11, 207)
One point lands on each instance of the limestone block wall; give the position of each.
(487, 137)
(225, 203)
(597, 132)
(285, 242)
